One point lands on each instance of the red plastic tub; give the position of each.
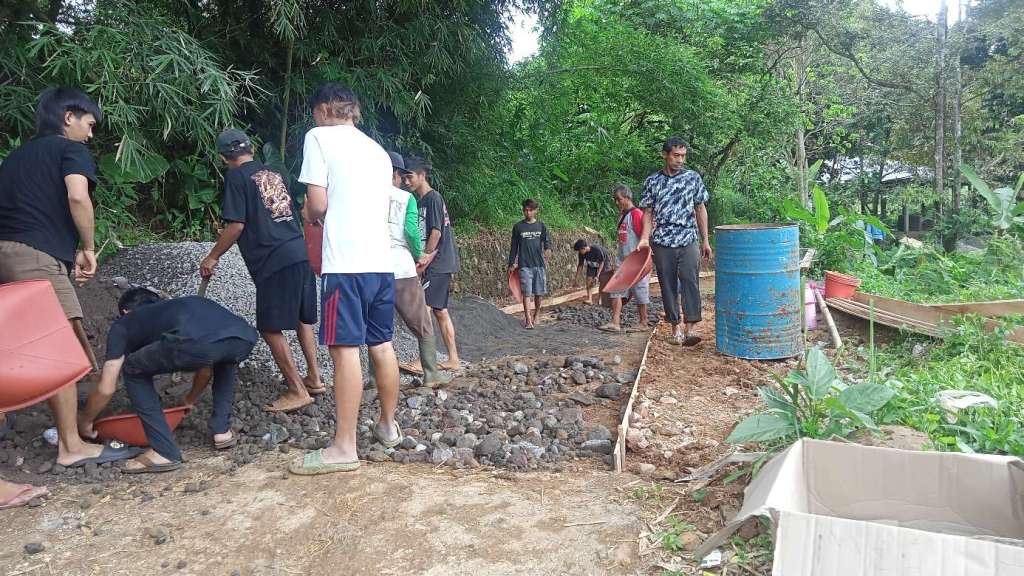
(314, 233)
(514, 286)
(631, 270)
(838, 285)
(39, 352)
(128, 428)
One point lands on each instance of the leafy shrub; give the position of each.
(814, 403)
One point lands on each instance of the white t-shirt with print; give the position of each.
(357, 174)
(404, 265)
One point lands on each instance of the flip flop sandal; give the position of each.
(230, 442)
(25, 496)
(410, 369)
(113, 451)
(150, 467)
(273, 407)
(633, 329)
(609, 328)
(388, 443)
(691, 341)
(312, 464)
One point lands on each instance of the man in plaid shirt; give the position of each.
(673, 202)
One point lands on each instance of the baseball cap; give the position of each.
(413, 164)
(232, 141)
(397, 162)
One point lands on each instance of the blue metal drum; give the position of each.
(757, 290)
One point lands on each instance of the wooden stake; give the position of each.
(836, 340)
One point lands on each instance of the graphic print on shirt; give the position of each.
(274, 194)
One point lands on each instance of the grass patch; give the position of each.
(969, 359)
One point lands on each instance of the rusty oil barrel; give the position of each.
(757, 290)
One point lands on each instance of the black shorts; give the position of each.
(435, 289)
(286, 298)
(592, 271)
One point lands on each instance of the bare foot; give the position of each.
(85, 450)
(314, 385)
(450, 365)
(333, 454)
(412, 368)
(222, 440)
(290, 402)
(151, 455)
(13, 495)
(86, 430)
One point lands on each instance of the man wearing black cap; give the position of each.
(441, 255)
(260, 218)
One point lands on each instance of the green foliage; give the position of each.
(1006, 211)
(841, 242)
(813, 402)
(971, 358)
(671, 539)
(931, 276)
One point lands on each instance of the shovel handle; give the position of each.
(203, 284)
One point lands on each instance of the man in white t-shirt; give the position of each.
(348, 185)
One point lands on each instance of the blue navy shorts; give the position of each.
(533, 281)
(357, 309)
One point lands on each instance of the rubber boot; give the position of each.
(432, 377)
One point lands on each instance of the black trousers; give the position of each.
(679, 275)
(170, 355)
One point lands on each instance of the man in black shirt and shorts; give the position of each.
(47, 232)
(259, 212)
(441, 254)
(155, 336)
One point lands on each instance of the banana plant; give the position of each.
(1006, 211)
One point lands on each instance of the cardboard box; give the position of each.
(848, 510)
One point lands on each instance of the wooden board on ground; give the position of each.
(619, 454)
(994, 308)
(578, 295)
(928, 319)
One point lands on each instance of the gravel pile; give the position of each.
(593, 315)
(514, 414)
(519, 414)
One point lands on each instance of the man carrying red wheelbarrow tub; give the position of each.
(47, 233)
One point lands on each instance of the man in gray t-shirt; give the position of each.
(442, 256)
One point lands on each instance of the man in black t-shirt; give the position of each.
(441, 254)
(594, 258)
(47, 233)
(155, 336)
(531, 244)
(261, 219)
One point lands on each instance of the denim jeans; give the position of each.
(171, 355)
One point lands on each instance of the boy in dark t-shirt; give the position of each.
(530, 245)
(47, 233)
(594, 258)
(258, 210)
(155, 336)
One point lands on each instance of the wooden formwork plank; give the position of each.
(991, 308)
(576, 295)
(619, 454)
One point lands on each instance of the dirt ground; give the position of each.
(216, 517)
(385, 519)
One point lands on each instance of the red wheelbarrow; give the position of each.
(39, 351)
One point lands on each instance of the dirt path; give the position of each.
(385, 519)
